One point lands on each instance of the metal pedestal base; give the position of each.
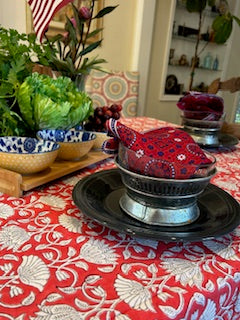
(161, 214)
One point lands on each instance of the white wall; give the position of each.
(155, 108)
(13, 14)
(119, 30)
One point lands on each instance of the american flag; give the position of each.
(42, 13)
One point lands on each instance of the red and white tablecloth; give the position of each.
(56, 263)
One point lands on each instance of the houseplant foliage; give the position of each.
(18, 53)
(222, 26)
(30, 101)
(65, 53)
(71, 48)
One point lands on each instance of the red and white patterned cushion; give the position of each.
(116, 87)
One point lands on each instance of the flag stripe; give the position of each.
(35, 7)
(42, 13)
(43, 23)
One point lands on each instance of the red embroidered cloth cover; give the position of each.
(58, 264)
(198, 105)
(165, 152)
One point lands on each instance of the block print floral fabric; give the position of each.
(56, 263)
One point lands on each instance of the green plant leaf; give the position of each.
(196, 5)
(90, 63)
(59, 46)
(90, 48)
(6, 88)
(222, 27)
(79, 23)
(84, 63)
(70, 65)
(53, 103)
(56, 38)
(24, 96)
(71, 30)
(104, 11)
(236, 19)
(60, 65)
(93, 33)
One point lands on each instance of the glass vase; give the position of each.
(80, 81)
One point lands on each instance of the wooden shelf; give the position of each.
(14, 184)
(197, 68)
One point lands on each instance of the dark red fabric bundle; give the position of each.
(165, 152)
(197, 105)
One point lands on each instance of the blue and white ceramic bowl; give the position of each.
(26, 155)
(100, 138)
(73, 144)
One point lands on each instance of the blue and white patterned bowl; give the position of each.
(73, 144)
(100, 138)
(26, 155)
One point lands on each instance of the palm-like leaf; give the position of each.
(90, 48)
(70, 50)
(104, 11)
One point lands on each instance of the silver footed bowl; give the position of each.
(161, 201)
(205, 130)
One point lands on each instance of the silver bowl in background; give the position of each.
(204, 131)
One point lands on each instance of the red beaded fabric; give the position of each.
(165, 152)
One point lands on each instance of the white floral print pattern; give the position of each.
(181, 157)
(13, 237)
(97, 251)
(57, 264)
(53, 201)
(70, 223)
(187, 272)
(60, 311)
(139, 153)
(134, 294)
(6, 211)
(33, 272)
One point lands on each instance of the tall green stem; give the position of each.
(88, 29)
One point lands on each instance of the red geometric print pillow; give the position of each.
(165, 152)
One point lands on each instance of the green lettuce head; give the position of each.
(47, 103)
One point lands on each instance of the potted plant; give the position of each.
(70, 49)
(18, 54)
(65, 54)
(31, 101)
